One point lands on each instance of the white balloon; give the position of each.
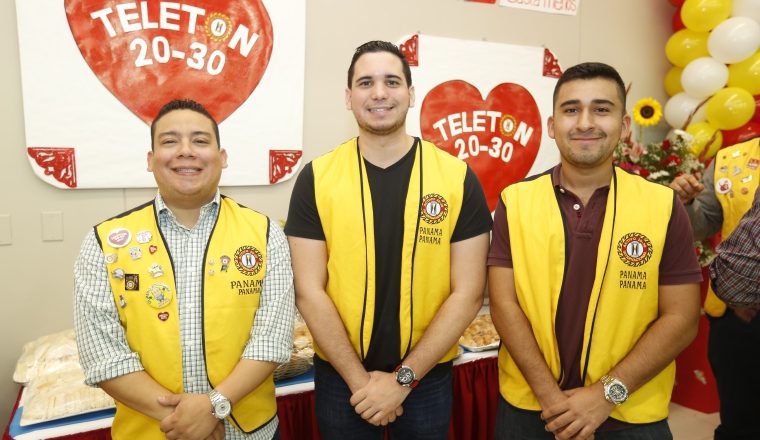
(734, 40)
(703, 77)
(746, 8)
(679, 107)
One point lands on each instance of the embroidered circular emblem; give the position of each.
(218, 26)
(508, 124)
(634, 249)
(248, 260)
(158, 295)
(434, 208)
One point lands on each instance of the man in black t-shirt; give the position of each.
(389, 237)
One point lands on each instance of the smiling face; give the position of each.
(588, 121)
(186, 160)
(379, 95)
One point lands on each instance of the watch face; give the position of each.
(617, 393)
(405, 376)
(223, 408)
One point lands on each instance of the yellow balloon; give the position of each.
(703, 132)
(686, 46)
(745, 74)
(730, 108)
(704, 15)
(673, 81)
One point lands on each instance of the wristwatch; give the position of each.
(405, 377)
(614, 390)
(221, 406)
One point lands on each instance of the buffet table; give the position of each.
(476, 391)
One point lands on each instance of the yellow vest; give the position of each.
(739, 165)
(624, 298)
(147, 301)
(344, 203)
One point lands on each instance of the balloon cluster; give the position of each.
(716, 58)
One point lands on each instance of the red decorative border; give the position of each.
(552, 68)
(57, 162)
(281, 163)
(410, 50)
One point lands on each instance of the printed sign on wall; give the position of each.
(563, 7)
(485, 103)
(96, 72)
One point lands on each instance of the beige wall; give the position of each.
(36, 277)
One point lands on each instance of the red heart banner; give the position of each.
(498, 137)
(147, 53)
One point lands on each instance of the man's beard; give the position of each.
(385, 131)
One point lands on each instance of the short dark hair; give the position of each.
(380, 46)
(591, 71)
(183, 104)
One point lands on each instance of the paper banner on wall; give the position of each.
(96, 72)
(486, 103)
(563, 7)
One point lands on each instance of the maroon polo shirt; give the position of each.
(584, 227)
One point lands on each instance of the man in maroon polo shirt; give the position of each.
(586, 326)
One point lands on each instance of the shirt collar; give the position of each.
(558, 184)
(162, 208)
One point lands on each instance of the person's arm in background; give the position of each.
(703, 208)
(735, 271)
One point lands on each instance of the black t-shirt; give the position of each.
(388, 187)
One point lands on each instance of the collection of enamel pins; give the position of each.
(157, 295)
(724, 185)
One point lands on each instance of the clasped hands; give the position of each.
(379, 401)
(575, 414)
(192, 418)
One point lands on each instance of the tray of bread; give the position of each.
(302, 355)
(480, 335)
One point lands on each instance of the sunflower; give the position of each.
(647, 112)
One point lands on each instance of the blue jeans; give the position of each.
(517, 424)
(427, 411)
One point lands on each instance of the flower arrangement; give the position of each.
(661, 162)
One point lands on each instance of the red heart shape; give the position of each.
(498, 137)
(163, 316)
(211, 51)
(119, 237)
(152, 249)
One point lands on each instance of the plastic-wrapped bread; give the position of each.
(47, 353)
(59, 394)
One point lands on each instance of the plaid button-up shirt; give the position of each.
(735, 272)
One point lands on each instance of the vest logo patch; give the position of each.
(634, 249)
(434, 208)
(248, 260)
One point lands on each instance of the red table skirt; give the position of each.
(476, 393)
